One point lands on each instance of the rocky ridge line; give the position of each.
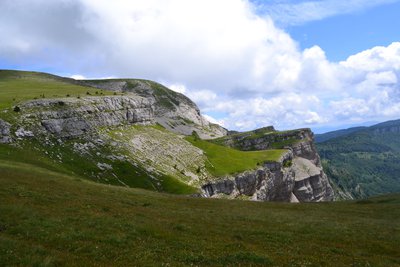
(297, 177)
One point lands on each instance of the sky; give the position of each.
(323, 64)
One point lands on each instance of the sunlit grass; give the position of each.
(16, 86)
(224, 160)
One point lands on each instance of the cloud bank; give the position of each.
(241, 69)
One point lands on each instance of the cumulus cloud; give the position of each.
(223, 54)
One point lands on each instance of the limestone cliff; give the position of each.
(297, 177)
(73, 117)
(172, 110)
(135, 136)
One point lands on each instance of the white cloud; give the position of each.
(222, 54)
(213, 120)
(379, 58)
(300, 12)
(78, 77)
(82, 77)
(180, 88)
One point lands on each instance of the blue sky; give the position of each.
(343, 35)
(324, 64)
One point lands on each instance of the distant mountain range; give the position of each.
(362, 161)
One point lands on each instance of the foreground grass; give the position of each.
(48, 219)
(17, 86)
(225, 160)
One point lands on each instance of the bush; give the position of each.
(287, 163)
(17, 109)
(196, 136)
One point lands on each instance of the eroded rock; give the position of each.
(5, 137)
(70, 117)
(297, 177)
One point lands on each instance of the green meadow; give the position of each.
(224, 160)
(53, 219)
(17, 86)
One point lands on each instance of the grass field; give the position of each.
(16, 86)
(48, 219)
(224, 160)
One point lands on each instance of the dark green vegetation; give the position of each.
(319, 138)
(50, 219)
(364, 162)
(16, 86)
(224, 160)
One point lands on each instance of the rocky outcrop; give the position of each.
(265, 138)
(297, 177)
(271, 182)
(302, 181)
(173, 110)
(311, 183)
(74, 117)
(5, 137)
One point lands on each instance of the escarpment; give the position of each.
(144, 135)
(172, 110)
(296, 177)
(270, 182)
(74, 117)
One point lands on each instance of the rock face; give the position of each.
(296, 177)
(73, 117)
(172, 110)
(271, 182)
(5, 137)
(264, 138)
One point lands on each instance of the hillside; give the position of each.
(53, 219)
(122, 173)
(319, 138)
(364, 162)
(138, 133)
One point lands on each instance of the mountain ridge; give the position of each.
(364, 162)
(127, 128)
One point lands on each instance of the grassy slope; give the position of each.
(63, 160)
(16, 86)
(224, 160)
(50, 219)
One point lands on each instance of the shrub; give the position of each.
(287, 163)
(17, 109)
(196, 136)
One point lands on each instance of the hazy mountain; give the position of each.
(319, 138)
(363, 161)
